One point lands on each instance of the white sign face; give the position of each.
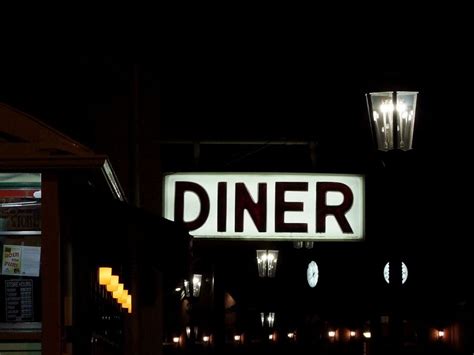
(267, 206)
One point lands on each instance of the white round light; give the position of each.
(312, 274)
(386, 272)
(404, 273)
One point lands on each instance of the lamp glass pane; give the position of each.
(382, 119)
(272, 258)
(262, 262)
(197, 284)
(186, 288)
(271, 319)
(406, 108)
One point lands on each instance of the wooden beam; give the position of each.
(50, 266)
(20, 335)
(36, 162)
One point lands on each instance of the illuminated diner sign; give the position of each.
(267, 206)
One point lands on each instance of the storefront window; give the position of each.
(20, 250)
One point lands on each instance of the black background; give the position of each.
(285, 81)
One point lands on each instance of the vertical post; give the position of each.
(219, 309)
(132, 324)
(396, 318)
(134, 151)
(68, 277)
(395, 275)
(313, 154)
(50, 266)
(395, 121)
(190, 338)
(196, 154)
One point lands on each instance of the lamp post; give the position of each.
(267, 262)
(392, 121)
(192, 290)
(267, 320)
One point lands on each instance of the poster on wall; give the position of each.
(19, 300)
(20, 203)
(19, 218)
(20, 260)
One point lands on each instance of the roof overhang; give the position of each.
(28, 144)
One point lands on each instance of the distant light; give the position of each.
(353, 334)
(291, 335)
(237, 337)
(177, 289)
(128, 304)
(367, 334)
(270, 336)
(105, 273)
(175, 340)
(404, 273)
(123, 298)
(271, 319)
(192, 288)
(331, 333)
(186, 287)
(117, 294)
(312, 274)
(440, 334)
(113, 283)
(205, 338)
(188, 331)
(267, 262)
(197, 278)
(121, 293)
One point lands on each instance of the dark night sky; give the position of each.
(289, 85)
(277, 82)
(262, 88)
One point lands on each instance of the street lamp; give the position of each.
(392, 120)
(267, 319)
(267, 262)
(392, 117)
(191, 290)
(195, 286)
